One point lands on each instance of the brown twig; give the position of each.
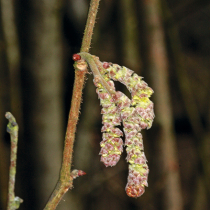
(66, 180)
(12, 129)
(86, 41)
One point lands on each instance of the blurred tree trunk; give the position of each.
(200, 197)
(4, 104)
(201, 134)
(12, 57)
(130, 35)
(158, 66)
(42, 93)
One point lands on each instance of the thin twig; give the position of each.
(65, 180)
(12, 129)
(86, 41)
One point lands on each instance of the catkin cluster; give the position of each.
(136, 114)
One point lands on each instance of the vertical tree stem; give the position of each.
(12, 129)
(65, 180)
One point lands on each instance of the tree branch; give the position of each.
(12, 129)
(86, 41)
(66, 177)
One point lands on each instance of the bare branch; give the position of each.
(12, 129)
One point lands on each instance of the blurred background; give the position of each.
(165, 41)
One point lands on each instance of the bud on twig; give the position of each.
(76, 173)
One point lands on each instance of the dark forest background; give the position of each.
(165, 41)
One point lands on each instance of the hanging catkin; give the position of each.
(136, 114)
(112, 144)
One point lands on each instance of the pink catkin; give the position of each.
(138, 169)
(137, 114)
(112, 144)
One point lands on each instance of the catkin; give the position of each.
(112, 144)
(136, 115)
